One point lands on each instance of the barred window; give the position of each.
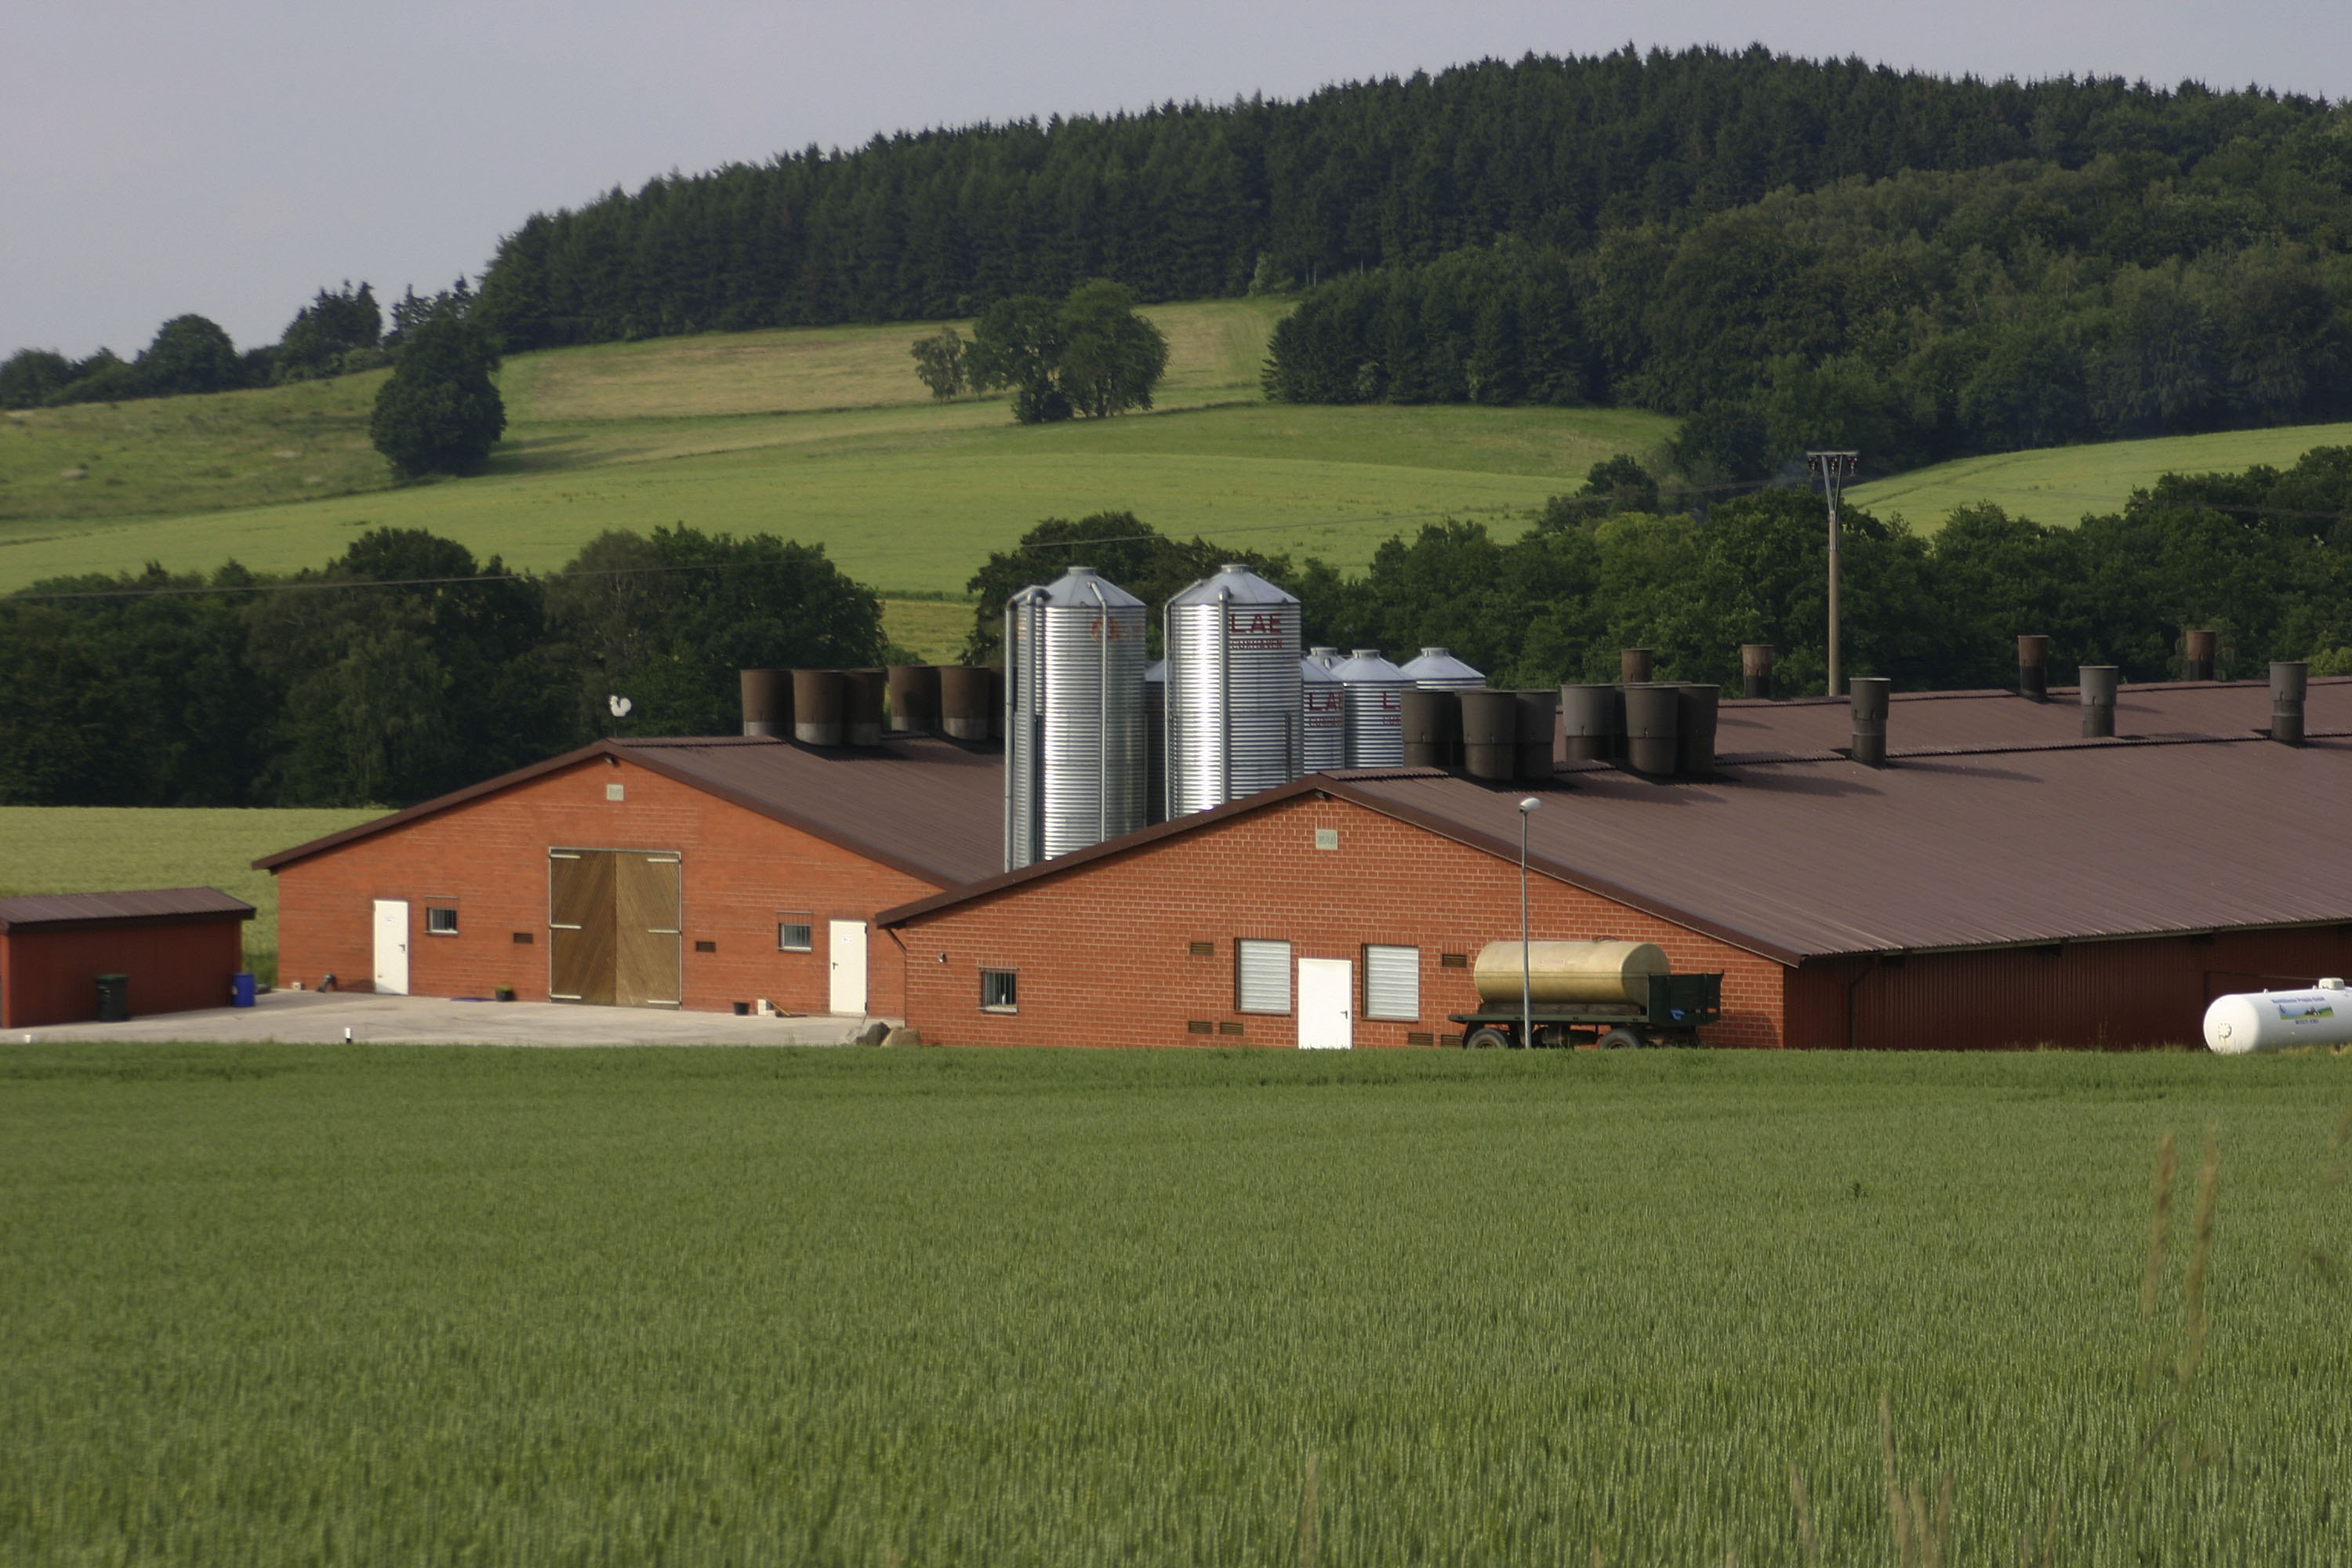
(1000, 991)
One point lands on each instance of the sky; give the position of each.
(160, 158)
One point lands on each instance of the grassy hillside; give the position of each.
(816, 434)
(335, 1306)
(76, 849)
(2062, 484)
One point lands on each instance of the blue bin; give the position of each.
(240, 990)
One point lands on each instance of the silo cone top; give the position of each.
(1368, 666)
(1233, 584)
(1311, 670)
(1437, 666)
(1080, 587)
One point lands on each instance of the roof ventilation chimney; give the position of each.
(914, 698)
(1867, 695)
(2199, 664)
(2287, 677)
(1538, 724)
(1634, 664)
(767, 701)
(2033, 667)
(1589, 721)
(1651, 711)
(1756, 669)
(1490, 729)
(966, 693)
(1432, 725)
(2098, 683)
(1695, 715)
(862, 692)
(816, 706)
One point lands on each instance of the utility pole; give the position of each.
(1833, 467)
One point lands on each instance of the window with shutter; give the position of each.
(1262, 976)
(1393, 982)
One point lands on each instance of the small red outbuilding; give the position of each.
(179, 946)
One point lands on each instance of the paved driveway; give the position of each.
(321, 1017)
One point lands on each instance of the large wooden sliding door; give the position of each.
(612, 927)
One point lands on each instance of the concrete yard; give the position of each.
(314, 1017)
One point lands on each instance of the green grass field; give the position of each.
(332, 1306)
(95, 850)
(2063, 485)
(821, 435)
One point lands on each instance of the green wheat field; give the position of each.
(332, 1306)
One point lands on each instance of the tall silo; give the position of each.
(1438, 670)
(1375, 692)
(1234, 720)
(1074, 743)
(1324, 702)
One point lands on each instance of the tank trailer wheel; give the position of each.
(1623, 1038)
(1485, 1037)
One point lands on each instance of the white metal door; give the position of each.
(1326, 1003)
(392, 946)
(847, 946)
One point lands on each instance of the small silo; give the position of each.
(1438, 670)
(1074, 743)
(1374, 695)
(1234, 718)
(1324, 701)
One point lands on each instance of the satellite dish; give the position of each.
(619, 705)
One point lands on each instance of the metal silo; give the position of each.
(1234, 718)
(1324, 701)
(1375, 692)
(1328, 658)
(1438, 670)
(1074, 748)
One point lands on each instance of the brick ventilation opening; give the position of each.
(523, 939)
(1198, 1027)
(1201, 949)
(1453, 961)
(706, 947)
(1229, 1029)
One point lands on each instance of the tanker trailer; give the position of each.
(1610, 993)
(2251, 1021)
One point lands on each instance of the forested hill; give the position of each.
(1189, 201)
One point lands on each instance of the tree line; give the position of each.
(1920, 317)
(2264, 557)
(339, 333)
(1189, 201)
(403, 668)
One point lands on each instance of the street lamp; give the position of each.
(1528, 806)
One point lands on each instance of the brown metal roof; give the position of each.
(1924, 722)
(931, 808)
(1800, 859)
(149, 906)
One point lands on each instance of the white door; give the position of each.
(848, 945)
(392, 946)
(1326, 1003)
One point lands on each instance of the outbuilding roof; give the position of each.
(149, 906)
(1816, 856)
(931, 808)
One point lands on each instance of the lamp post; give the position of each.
(1528, 806)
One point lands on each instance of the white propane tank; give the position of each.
(2275, 1020)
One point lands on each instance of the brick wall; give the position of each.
(51, 976)
(738, 872)
(1103, 957)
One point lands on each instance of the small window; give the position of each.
(1262, 976)
(441, 920)
(1327, 838)
(616, 792)
(1000, 991)
(1393, 982)
(794, 933)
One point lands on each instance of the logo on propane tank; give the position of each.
(2299, 1010)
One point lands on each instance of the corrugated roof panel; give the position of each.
(31, 909)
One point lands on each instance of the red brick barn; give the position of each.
(177, 946)
(2004, 889)
(690, 873)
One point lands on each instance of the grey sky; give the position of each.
(229, 160)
